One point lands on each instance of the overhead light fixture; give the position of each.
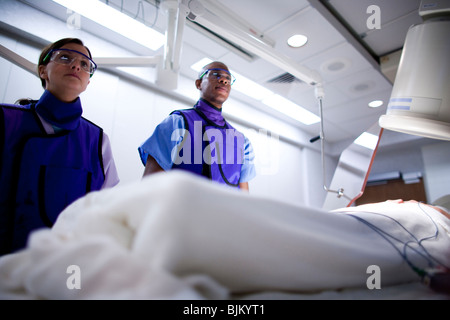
(291, 109)
(275, 101)
(118, 22)
(297, 41)
(367, 140)
(376, 103)
(250, 88)
(198, 66)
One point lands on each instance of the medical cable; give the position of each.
(437, 275)
(386, 236)
(430, 237)
(407, 245)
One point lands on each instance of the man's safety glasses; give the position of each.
(67, 57)
(217, 75)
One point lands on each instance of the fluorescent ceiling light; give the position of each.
(250, 88)
(113, 19)
(198, 66)
(290, 109)
(367, 140)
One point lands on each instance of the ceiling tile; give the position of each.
(390, 37)
(264, 15)
(337, 62)
(355, 13)
(321, 35)
(362, 83)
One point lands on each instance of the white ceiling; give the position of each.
(337, 36)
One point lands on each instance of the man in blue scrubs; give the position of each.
(199, 139)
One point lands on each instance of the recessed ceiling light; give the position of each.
(297, 41)
(375, 103)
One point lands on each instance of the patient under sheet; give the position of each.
(177, 236)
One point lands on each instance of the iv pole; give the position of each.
(319, 92)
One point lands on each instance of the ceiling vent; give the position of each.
(285, 78)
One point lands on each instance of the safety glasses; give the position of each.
(67, 57)
(218, 74)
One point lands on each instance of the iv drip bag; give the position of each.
(420, 98)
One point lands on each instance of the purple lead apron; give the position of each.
(42, 174)
(210, 150)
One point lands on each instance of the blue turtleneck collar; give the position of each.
(60, 114)
(211, 112)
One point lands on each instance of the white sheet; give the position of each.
(175, 236)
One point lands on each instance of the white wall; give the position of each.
(402, 159)
(279, 166)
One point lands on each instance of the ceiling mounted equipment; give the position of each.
(420, 99)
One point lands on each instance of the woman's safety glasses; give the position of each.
(218, 74)
(67, 57)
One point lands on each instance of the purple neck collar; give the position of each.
(212, 113)
(60, 114)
